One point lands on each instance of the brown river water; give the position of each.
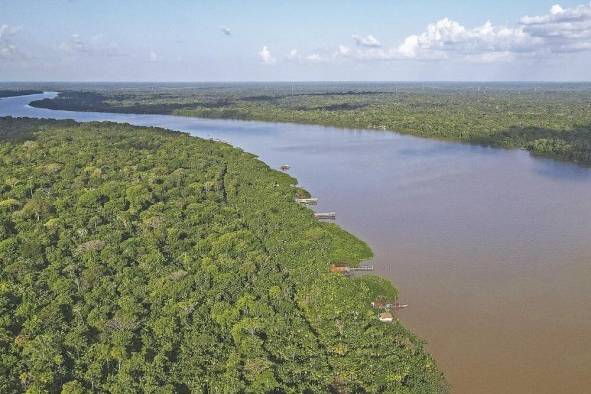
(490, 248)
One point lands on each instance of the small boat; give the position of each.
(284, 167)
(398, 305)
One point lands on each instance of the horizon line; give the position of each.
(305, 81)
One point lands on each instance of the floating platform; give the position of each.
(325, 215)
(307, 201)
(363, 267)
(398, 305)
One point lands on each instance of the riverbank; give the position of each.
(549, 120)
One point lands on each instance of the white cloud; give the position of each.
(153, 56)
(7, 31)
(8, 51)
(562, 30)
(558, 14)
(446, 38)
(315, 58)
(321, 56)
(226, 30)
(293, 54)
(368, 41)
(409, 47)
(266, 57)
(95, 46)
(8, 48)
(343, 50)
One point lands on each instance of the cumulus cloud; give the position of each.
(266, 57)
(95, 46)
(558, 15)
(226, 30)
(368, 41)
(562, 30)
(446, 38)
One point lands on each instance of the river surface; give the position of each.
(490, 248)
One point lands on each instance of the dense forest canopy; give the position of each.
(143, 260)
(547, 119)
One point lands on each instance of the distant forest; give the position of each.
(19, 92)
(552, 120)
(144, 260)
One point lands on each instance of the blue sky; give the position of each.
(134, 40)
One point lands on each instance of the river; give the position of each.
(490, 248)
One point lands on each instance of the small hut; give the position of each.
(339, 268)
(386, 317)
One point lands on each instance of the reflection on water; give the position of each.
(489, 247)
(567, 172)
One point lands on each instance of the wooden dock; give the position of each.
(363, 267)
(325, 215)
(307, 201)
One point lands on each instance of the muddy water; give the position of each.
(491, 248)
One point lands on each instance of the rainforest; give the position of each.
(138, 259)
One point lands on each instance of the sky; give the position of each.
(280, 40)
